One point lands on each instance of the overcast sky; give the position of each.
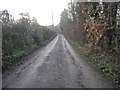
(41, 9)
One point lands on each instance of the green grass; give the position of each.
(15, 56)
(105, 63)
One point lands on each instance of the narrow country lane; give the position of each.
(56, 65)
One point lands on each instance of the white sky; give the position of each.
(41, 9)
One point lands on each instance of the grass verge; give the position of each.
(9, 60)
(104, 62)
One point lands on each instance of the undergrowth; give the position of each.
(9, 60)
(102, 61)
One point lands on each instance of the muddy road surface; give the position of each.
(56, 65)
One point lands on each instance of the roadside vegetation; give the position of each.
(21, 37)
(93, 29)
(99, 61)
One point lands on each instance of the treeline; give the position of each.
(95, 26)
(20, 37)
